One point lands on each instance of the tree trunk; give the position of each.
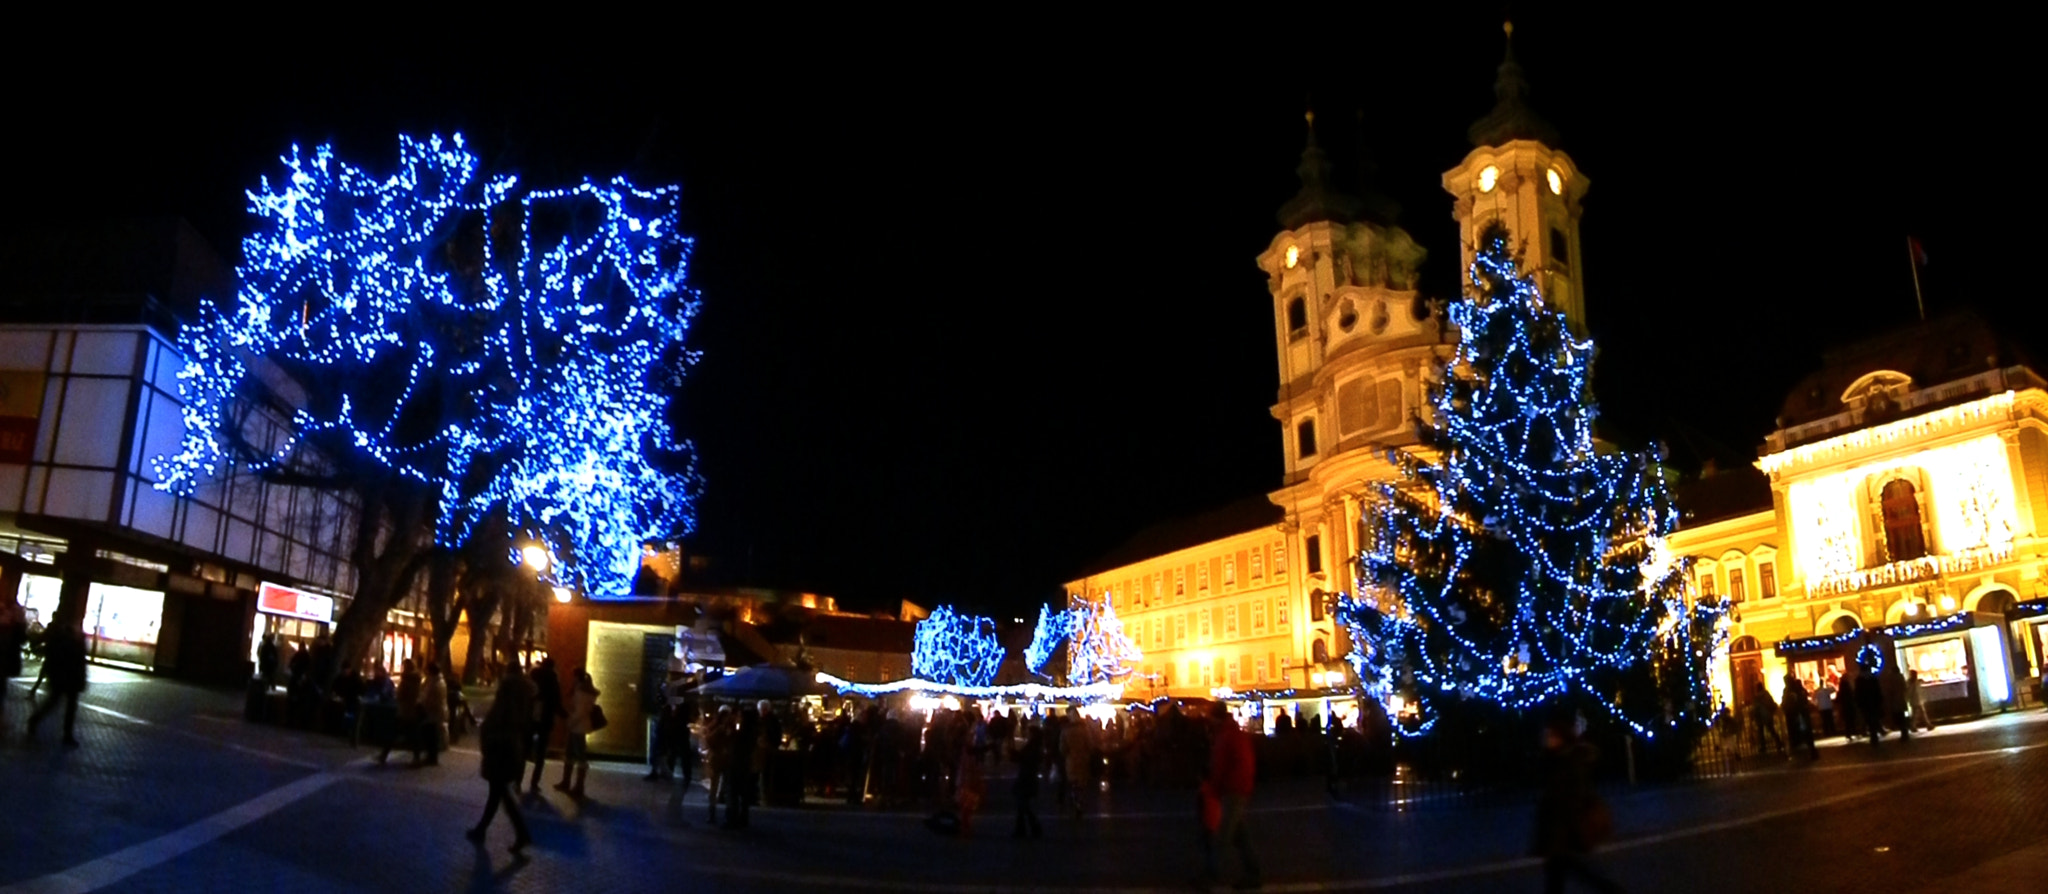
(385, 566)
(483, 605)
(443, 610)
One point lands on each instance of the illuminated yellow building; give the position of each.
(1907, 484)
(1242, 598)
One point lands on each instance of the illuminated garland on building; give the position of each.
(530, 378)
(1521, 567)
(1906, 630)
(956, 649)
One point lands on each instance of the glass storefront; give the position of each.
(1944, 667)
(122, 623)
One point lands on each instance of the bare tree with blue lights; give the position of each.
(1519, 566)
(956, 649)
(458, 355)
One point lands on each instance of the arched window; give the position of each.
(1904, 539)
(1320, 652)
(1297, 316)
(1315, 604)
(1305, 438)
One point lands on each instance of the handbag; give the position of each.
(597, 719)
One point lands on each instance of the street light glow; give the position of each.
(534, 556)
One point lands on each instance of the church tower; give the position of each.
(1354, 340)
(1516, 174)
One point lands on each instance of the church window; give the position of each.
(1560, 249)
(1305, 438)
(1297, 317)
(1767, 580)
(1903, 537)
(1314, 543)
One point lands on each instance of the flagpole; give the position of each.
(1913, 261)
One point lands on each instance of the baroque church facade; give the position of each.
(1243, 598)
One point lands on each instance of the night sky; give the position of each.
(979, 294)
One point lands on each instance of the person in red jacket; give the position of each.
(1232, 770)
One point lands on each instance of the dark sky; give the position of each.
(979, 295)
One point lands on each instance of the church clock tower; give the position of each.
(1516, 174)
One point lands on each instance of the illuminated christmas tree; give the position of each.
(1517, 566)
(449, 348)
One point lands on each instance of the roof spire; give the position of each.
(1316, 201)
(1511, 118)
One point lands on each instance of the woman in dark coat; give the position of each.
(64, 668)
(1570, 819)
(502, 737)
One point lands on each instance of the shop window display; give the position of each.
(1943, 665)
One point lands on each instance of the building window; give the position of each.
(1180, 582)
(1297, 317)
(1738, 586)
(1259, 616)
(1180, 629)
(1233, 672)
(1320, 652)
(1230, 572)
(1707, 584)
(1230, 621)
(1904, 539)
(1280, 613)
(1280, 558)
(1767, 580)
(1208, 681)
(1259, 667)
(1315, 605)
(1305, 438)
(1314, 544)
(1158, 633)
(1258, 563)
(1560, 250)
(1205, 625)
(1202, 577)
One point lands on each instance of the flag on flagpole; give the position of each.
(1919, 251)
(1917, 256)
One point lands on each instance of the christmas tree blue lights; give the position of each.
(452, 347)
(956, 649)
(1519, 565)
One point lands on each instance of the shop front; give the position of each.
(2027, 623)
(295, 618)
(1962, 660)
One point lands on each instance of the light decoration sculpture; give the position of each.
(527, 377)
(956, 649)
(1098, 650)
(1515, 565)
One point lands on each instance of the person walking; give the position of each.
(1824, 704)
(765, 749)
(576, 756)
(1077, 746)
(739, 768)
(547, 707)
(433, 717)
(1570, 819)
(64, 668)
(1799, 716)
(1870, 703)
(13, 636)
(1232, 772)
(1892, 683)
(1030, 759)
(1917, 702)
(1763, 714)
(717, 755)
(407, 721)
(503, 738)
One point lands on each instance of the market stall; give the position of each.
(1964, 666)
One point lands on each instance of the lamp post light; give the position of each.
(534, 556)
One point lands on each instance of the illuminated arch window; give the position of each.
(1905, 538)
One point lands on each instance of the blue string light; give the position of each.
(1515, 563)
(532, 383)
(1093, 692)
(1098, 650)
(956, 649)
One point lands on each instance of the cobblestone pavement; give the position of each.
(171, 791)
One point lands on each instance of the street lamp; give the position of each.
(534, 556)
(563, 594)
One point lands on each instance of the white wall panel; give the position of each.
(201, 528)
(28, 349)
(79, 493)
(164, 374)
(94, 412)
(105, 353)
(166, 432)
(151, 510)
